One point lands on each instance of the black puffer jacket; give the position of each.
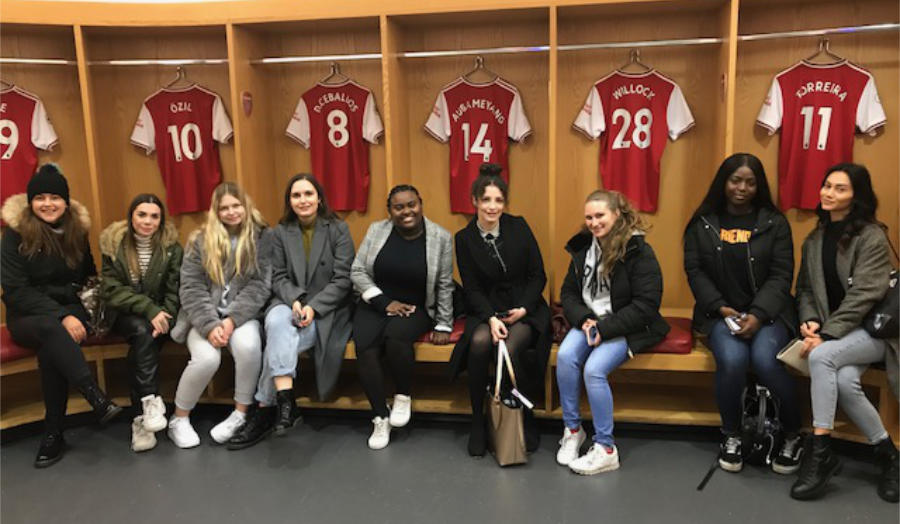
(770, 264)
(636, 293)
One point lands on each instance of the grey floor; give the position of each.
(324, 473)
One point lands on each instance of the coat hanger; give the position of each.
(5, 85)
(490, 76)
(335, 76)
(634, 60)
(180, 76)
(824, 49)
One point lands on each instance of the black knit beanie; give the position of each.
(48, 179)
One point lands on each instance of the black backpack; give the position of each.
(760, 425)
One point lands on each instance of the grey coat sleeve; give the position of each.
(363, 282)
(444, 283)
(806, 301)
(870, 282)
(255, 292)
(334, 293)
(283, 287)
(195, 292)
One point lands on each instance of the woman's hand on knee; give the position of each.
(160, 324)
(217, 338)
(498, 329)
(810, 328)
(440, 337)
(809, 344)
(591, 333)
(75, 328)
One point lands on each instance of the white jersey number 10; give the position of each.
(181, 143)
(824, 126)
(480, 145)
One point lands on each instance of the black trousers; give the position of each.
(377, 335)
(143, 355)
(59, 358)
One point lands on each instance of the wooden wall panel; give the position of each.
(429, 160)
(118, 92)
(759, 62)
(687, 164)
(283, 85)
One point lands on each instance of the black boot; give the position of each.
(818, 465)
(104, 409)
(477, 438)
(532, 433)
(260, 422)
(288, 415)
(887, 457)
(51, 451)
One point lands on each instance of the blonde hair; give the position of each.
(614, 244)
(216, 240)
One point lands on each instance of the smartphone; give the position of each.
(501, 314)
(732, 324)
(593, 333)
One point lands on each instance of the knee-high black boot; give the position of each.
(819, 464)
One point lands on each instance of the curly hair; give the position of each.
(627, 224)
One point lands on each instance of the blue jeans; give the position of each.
(735, 355)
(576, 357)
(284, 344)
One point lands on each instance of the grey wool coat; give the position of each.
(863, 267)
(200, 296)
(439, 275)
(322, 283)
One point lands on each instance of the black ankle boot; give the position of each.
(477, 438)
(532, 433)
(260, 422)
(104, 409)
(51, 450)
(287, 413)
(887, 457)
(818, 465)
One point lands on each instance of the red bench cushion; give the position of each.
(679, 339)
(10, 351)
(459, 325)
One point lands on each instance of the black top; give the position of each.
(735, 232)
(401, 271)
(833, 232)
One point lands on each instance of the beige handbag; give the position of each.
(507, 435)
(790, 355)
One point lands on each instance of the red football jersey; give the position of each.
(24, 127)
(818, 108)
(478, 120)
(184, 125)
(336, 122)
(632, 114)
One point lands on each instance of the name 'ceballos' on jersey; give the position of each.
(478, 120)
(632, 114)
(336, 122)
(183, 125)
(24, 128)
(818, 108)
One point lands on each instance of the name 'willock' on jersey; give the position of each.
(821, 87)
(479, 103)
(634, 89)
(335, 97)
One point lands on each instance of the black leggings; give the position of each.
(143, 355)
(396, 345)
(483, 353)
(59, 358)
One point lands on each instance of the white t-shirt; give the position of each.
(601, 302)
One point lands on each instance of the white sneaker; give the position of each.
(182, 433)
(381, 433)
(223, 431)
(141, 439)
(154, 413)
(596, 460)
(400, 410)
(569, 446)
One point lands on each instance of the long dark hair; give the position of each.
(714, 202)
(289, 217)
(863, 205)
(130, 246)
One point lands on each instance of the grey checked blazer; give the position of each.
(439, 274)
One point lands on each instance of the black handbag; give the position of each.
(881, 321)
